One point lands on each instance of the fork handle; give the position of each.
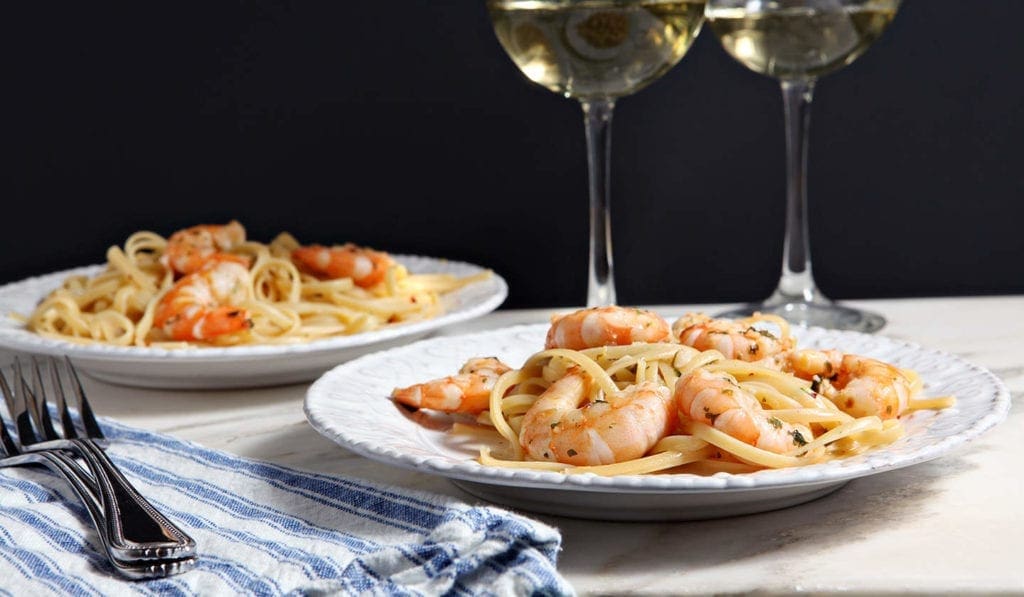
(138, 531)
(61, 463)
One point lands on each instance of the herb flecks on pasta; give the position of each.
(617, 391)
(210, 286)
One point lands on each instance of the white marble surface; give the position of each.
(954, 524)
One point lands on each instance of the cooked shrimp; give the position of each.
(468, 392)
(859, 386)
(718, 400)
(365, 266)
(808, 364)
(202, 305)
(187, 250)
(618, 428)
(734, 339)
(605, 326)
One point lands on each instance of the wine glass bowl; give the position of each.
(797, 41)
(596, 51)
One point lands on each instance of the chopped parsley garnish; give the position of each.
(798, 438)
(764, 333)
(710, 415)
(775, 423)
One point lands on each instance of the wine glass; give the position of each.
(796, 41)
(596, 51)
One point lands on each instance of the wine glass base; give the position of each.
(825, 315)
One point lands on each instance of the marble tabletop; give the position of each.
(954, 524)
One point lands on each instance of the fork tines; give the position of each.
(62, 377)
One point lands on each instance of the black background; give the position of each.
(402, 125)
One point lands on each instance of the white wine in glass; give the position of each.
(596, 51)
(797, 41)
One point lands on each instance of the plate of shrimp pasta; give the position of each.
(617, 413)
(208, 307)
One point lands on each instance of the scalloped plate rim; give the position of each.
(817, 475)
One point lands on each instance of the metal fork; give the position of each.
(85, 489)
(136, 530)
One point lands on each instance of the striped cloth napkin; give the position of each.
(263, 529)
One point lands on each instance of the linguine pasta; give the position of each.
(285, 305)
(693, 446)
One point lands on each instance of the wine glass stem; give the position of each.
(597, 117)
(797, 282)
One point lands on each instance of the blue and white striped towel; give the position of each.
(267, 530)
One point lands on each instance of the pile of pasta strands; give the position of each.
(696, 445)
(283, 304)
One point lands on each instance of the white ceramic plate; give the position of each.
(236, 366)
(350, 405)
